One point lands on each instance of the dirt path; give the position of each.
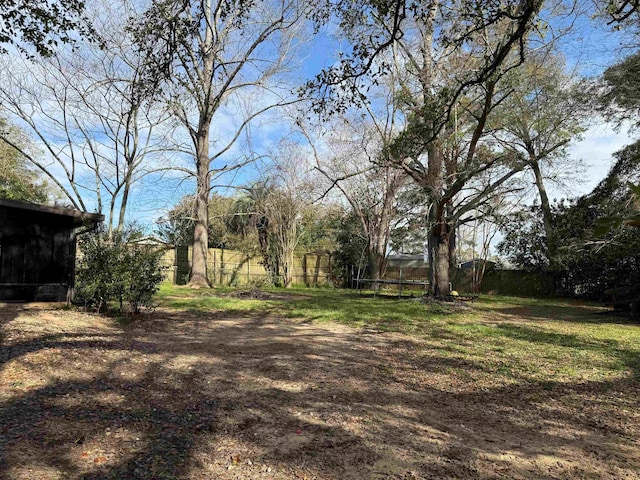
(212, 397)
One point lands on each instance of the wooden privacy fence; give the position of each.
(518, 283)
(231, 267)
(497, 282)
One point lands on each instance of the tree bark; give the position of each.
(287, 269)
(373, 262)
(441, 236)
(125, 200)
(198, 276)
(547, 216)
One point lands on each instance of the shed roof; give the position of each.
(78, 217)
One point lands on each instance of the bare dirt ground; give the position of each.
(187, 396)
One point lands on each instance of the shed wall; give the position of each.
(36, 255)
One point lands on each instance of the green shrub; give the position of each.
(112, 271)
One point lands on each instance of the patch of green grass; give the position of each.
(502, 339)
(385, 313)
(200, 301)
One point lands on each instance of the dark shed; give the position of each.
(38, 249)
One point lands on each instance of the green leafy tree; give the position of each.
(351, 247)
(451, 59)
(523, 242)
(319, 232)
(41, 25)
(279, 208)
(620, 91)
(17, 180)
(596, 250)
(539, 119)
(250, 220)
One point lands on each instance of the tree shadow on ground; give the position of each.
(630, 358)
(567, 313)
(178, 396)
(8, 312)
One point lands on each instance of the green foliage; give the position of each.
(319, 228)
(545, 111)
(139, 274)
(372, 28)
(620, 91)
(113, 271)
(524, 243)
(250, 220)
(351, 247)
(596, 250)
(41, 24)
(17, 180)
(275, 221)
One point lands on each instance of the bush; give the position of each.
(112, 271)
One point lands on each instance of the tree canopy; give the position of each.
(41, 25)
(18, 180)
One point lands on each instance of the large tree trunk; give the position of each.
(198, 276)
(112, 207)
(453, 255)
(264, 240)
(440, 236)
(431, 251)
(547, 216)
(442, 285)
(374, 267)
(376, 251)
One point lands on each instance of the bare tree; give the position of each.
(87, 110)
(204, 55)
(350, 162)
(288, 203)
(477, 232)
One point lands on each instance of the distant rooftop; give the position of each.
(406, 260)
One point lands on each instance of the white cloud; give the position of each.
(597, 147)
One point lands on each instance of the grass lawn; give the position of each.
(512, 338)
(320, 384)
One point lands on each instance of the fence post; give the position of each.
(214, 266)
(305, 273)
(222, 267)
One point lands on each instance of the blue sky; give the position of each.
(588, 49)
